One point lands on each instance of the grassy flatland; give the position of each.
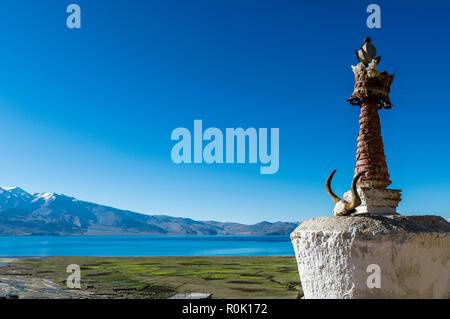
(161, 277)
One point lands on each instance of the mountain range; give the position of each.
(22, 213)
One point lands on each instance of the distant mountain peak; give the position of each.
(8, 188)
(12, 189)
(22, 213)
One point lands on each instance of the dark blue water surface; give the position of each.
(130, 246)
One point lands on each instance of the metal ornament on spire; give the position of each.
(369, 83)
(367, 52)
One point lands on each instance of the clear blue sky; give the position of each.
(89, 112)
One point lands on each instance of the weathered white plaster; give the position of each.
(413, 253)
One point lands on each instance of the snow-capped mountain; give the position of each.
(22, 213)
(14, 197)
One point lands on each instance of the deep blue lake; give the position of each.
(136, 246)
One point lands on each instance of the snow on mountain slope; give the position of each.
(22, 213)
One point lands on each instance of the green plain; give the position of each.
(161, 277)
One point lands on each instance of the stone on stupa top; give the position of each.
(367, 52)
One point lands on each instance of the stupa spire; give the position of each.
(368, 194)
(371, 93)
